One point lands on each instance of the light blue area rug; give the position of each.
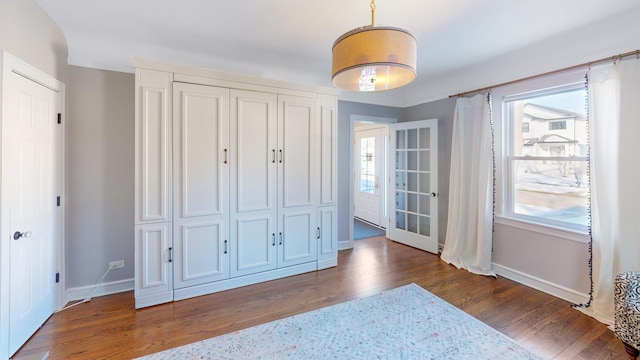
(362, 230)
(404, 323)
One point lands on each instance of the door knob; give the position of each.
(17, 235)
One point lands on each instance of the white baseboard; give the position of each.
(109, 288)
(344, 245)
(548, 287)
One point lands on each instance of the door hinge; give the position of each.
(59, 118)
(58, 201)
(57, 278)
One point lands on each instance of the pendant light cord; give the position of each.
(373, 10)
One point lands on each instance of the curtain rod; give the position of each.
(574, 67)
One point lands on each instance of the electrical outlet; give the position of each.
(116, 264)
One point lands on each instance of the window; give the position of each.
(368, 165)
(557, 125)
(545, 157)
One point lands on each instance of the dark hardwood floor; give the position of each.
(110, 328)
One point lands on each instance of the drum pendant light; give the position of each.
(372, 58)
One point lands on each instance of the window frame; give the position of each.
(504, 148)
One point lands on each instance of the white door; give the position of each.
(31, 183)
(414, 184)
(201, 180)
(254, 209)
(369, 175)
(297, 176)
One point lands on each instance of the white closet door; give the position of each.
(153, 271)
(201, 179)
(297, 140)
(253, 182)
(31, 180)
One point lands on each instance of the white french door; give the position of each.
(369, 175)
(413, 191)
(31, 215)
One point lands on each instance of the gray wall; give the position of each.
(100, 154)
(345, 110)
(28, 33)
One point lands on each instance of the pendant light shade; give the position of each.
(374, 58)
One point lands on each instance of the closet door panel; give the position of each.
(153, 268)
(298, 133)
(297, 141)
(327, 234)
(328, 148)
(256, 133)
(201, 180)
(253, 181)
(153, 146)
(201, 253)
(297, 240)
(201, 150)
(256, 246)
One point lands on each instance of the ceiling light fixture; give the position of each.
(372, 58)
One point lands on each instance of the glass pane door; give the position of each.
(414, 218)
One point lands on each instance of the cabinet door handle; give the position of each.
(273, 156)
(225, 246)
(170, 254)
(280, 239)
(225, 156)
(273, 239)
(318, 232)
(280, 156)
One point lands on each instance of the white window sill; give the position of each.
(543, 229)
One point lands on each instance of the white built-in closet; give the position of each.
(235, 181)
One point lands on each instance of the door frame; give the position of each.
(353, 119)
(11, 64)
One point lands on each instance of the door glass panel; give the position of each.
(401, 160)
(425, 205)
(400, 200)
(425, 160)
(425, 226)
(412, 139)
(368, 165)
(412, 202)
(401, 180)
(412, 182)
(412, 160)
(412, 223)
(401, 139)
(425, 183)
(425, 138)
(400, 221)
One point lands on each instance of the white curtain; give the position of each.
(614, 127)
(470, 221)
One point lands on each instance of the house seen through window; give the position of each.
(546, 159)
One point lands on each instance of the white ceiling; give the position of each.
(292, 39)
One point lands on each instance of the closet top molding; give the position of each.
(205, 76)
